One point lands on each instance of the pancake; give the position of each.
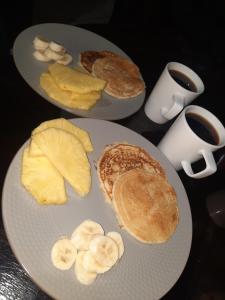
(122, 76)
(119, 158)
(87, 58)
(146, 205)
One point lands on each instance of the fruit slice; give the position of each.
(63, 254)
(83, 234)
(90, 264)
(67, 154)
(40, 56)
(67, 58)
(104, 249)
(40, 43)
(82, 275)
(68, 126)
(42, 179)
(118, 239)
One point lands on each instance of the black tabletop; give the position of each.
(151, 45)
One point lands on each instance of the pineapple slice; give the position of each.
(62, 123)
(67, 154)
(42, 179)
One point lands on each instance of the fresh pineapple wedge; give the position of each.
(42, 179)
(67, 154)
(62, 123)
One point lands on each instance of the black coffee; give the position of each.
(203, 128)
(183, 80)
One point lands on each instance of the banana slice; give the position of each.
(118, 239)
(82, 275)
(83, 234)
(104, 250)
(63, 254)
(40, 43)
(40, 56)
(53, 55)
(56, 47)
(91, 265)
(67, 58)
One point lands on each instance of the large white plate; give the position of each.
(75, 40)
(144, 272)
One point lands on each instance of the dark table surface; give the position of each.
(151, 47)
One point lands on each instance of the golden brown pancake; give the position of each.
(119, 158)
(122, 75)
(87, 58)
(146, 205)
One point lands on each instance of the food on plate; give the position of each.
(68, 156)
(95, 253)
(87, 58)
(146, 205)
(50, 50)
(41, 56)
(57, 151)
(63, 254)
(82, 275)
(40, 43)
(122, 76)
(52, 55)
(56, 47)
(42, 180)
(119, 158)
(66, 60)
(69, 79)
(66, 125)
(68, 98)
(116, 236)
(83, 234)
(104, 249)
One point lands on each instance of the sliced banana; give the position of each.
(53, 55)
(40, 56)
(40, 43)
(63, 254)
(90, 264)
(83, 234)
(56, 47)
(82, 275)
(116, 236)
(104, 250)
(67, 58)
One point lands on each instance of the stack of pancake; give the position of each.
(137, 187)
(121, 74)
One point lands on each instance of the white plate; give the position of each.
(75, 40)
(144, 272)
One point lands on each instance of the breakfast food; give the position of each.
(69, 79)
(82, 275)
(145, 205)
(68, 98)
(63, 254)
(83, 234)
(66, 125)
(101, 252)
(46, 51)
(46, 161)
(42, 180)
(87, 58)
(119, 158)
(67, 154)
(122, 76)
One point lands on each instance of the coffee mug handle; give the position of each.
(210, 166)
(178, 105)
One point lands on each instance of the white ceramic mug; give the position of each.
(170, 96)
(183, 145)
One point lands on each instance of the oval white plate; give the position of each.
(75, 40)
(144, 272)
